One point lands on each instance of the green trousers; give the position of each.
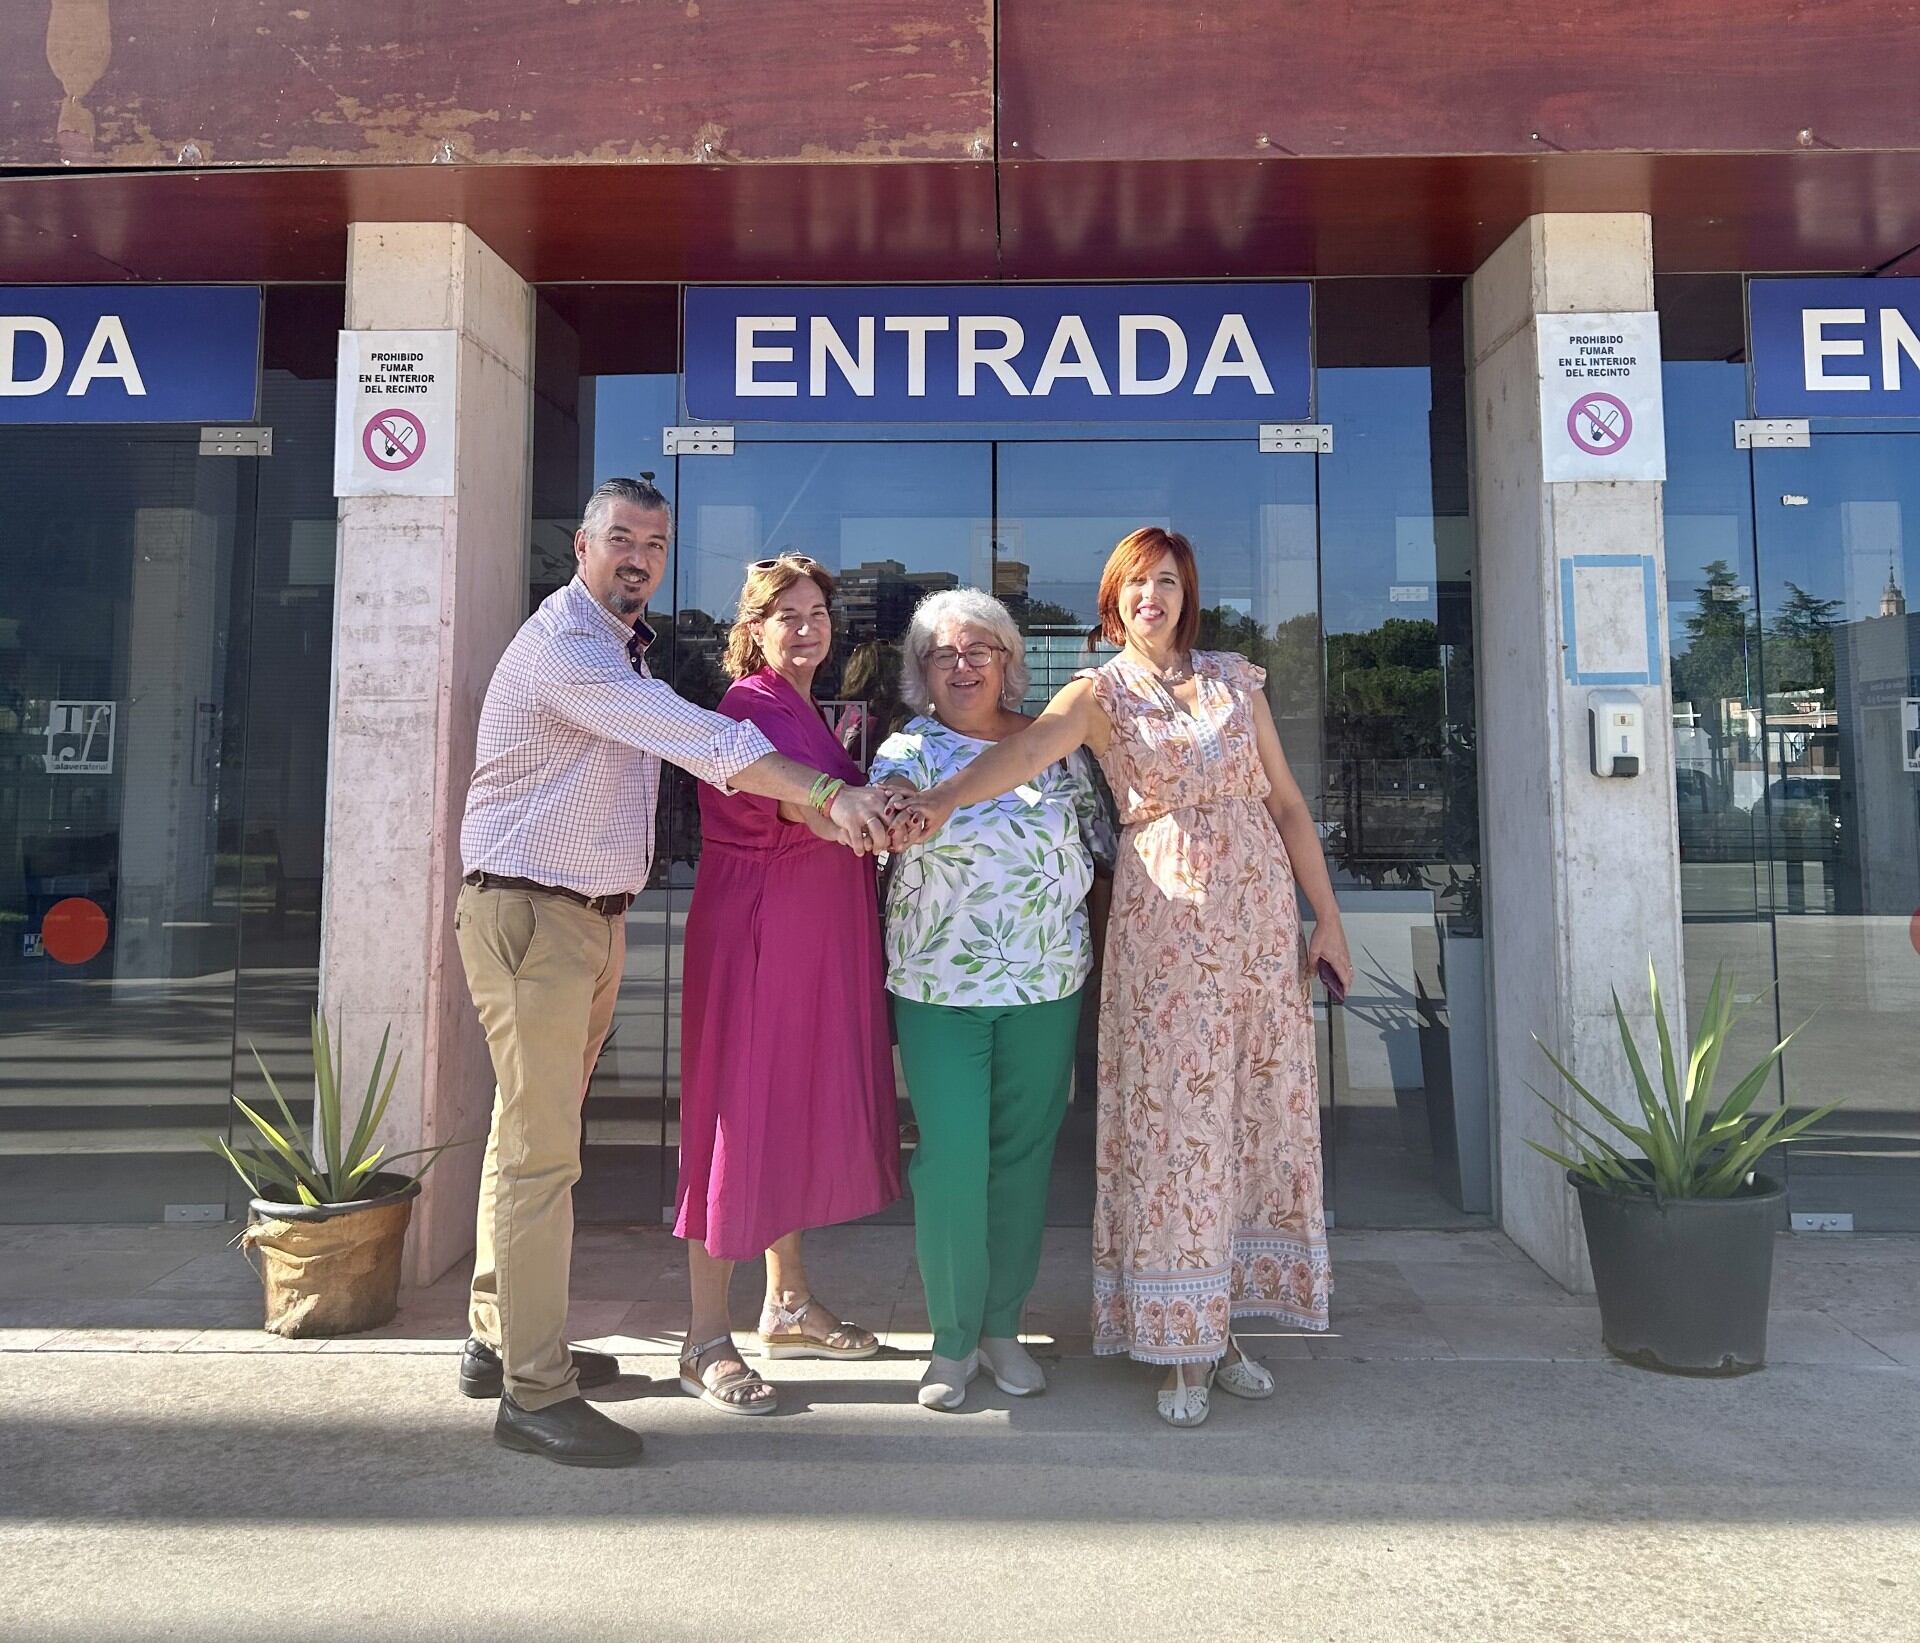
(989, 1087)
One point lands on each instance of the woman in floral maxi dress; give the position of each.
(1209, 1200)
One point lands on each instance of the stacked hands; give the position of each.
(888, 817)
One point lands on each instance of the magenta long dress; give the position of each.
(787, 1115)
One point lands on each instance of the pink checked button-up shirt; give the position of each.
(567, 771)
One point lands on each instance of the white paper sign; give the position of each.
(393, 417)
(1601, 414)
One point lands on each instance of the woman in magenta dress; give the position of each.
(787, 1115)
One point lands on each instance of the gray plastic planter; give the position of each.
(1683, 1285)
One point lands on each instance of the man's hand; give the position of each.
(860, 813)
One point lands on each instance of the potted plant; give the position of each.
(1681, 1237)
(327, 1228)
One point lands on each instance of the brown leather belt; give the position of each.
(608, 906)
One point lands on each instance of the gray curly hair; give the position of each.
(961, 605)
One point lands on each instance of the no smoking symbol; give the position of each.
(394, 439)
(1600, 424)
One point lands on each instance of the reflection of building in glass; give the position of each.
(1010, 582)
(877, 597)
(1054, 655)
(1876, 674)
(1892, 601)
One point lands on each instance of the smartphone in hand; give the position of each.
(1330, 979)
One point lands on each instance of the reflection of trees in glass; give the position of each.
(1394, 695)
(1715, 666)
(1384, 691)
(1385, 711)
(1289, 653)
(1044, 613)
(1800, 643)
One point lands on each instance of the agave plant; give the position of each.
(1690, 1147)
(331, 1166)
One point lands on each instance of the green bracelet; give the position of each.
(832, 792)
(816, 794)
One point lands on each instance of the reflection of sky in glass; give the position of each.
(1707, 497)
(1378, 550)
(1248, 515)
(1861, 490)
(926, 506)
(628, 416)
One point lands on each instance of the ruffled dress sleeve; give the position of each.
(1241, 674)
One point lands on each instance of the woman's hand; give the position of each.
(1330, 943)
(923, 815)
(860, 813)
(901, 794)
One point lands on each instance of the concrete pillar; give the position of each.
(1583, 873)
(430, 589)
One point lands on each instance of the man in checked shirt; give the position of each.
(558, 838)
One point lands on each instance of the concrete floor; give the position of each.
(1457, 1460)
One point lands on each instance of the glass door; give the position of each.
(1829, 768)
(1369, 676)
(1059, 510)
(893, 521)
(125, 558)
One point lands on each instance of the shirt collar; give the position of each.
(635, 641)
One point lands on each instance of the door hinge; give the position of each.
(1314, 438)
(236, 442)
(1775, 434)
(697, 441)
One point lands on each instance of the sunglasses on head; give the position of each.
(791, 558)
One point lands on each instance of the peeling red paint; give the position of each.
(393, 81)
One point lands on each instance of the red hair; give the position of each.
(1136, 553)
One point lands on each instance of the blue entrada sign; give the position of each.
(1835, 347)
(999, 353)
(129, 353)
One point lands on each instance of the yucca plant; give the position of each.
(332, 1166)
(1690, 1147)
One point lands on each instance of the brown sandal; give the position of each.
(729, 1393)
(787, 1339)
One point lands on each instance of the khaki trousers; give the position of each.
(544, 973)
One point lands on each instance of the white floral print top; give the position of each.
(991, 911)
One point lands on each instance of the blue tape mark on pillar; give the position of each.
(1570, 640)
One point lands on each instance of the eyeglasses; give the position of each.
(946, 658)
(791, 558)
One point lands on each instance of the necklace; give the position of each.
(1178, 673)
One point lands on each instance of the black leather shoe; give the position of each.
(481, 1377)
(571, 1433)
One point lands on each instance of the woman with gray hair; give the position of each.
(987, 952)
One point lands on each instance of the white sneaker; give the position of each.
(1012, 1366)
(944, 1386)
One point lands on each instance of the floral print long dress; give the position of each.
(1208, 1197)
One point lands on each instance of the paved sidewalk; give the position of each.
(1457, 1461)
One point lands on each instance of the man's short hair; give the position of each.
(642, 492)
